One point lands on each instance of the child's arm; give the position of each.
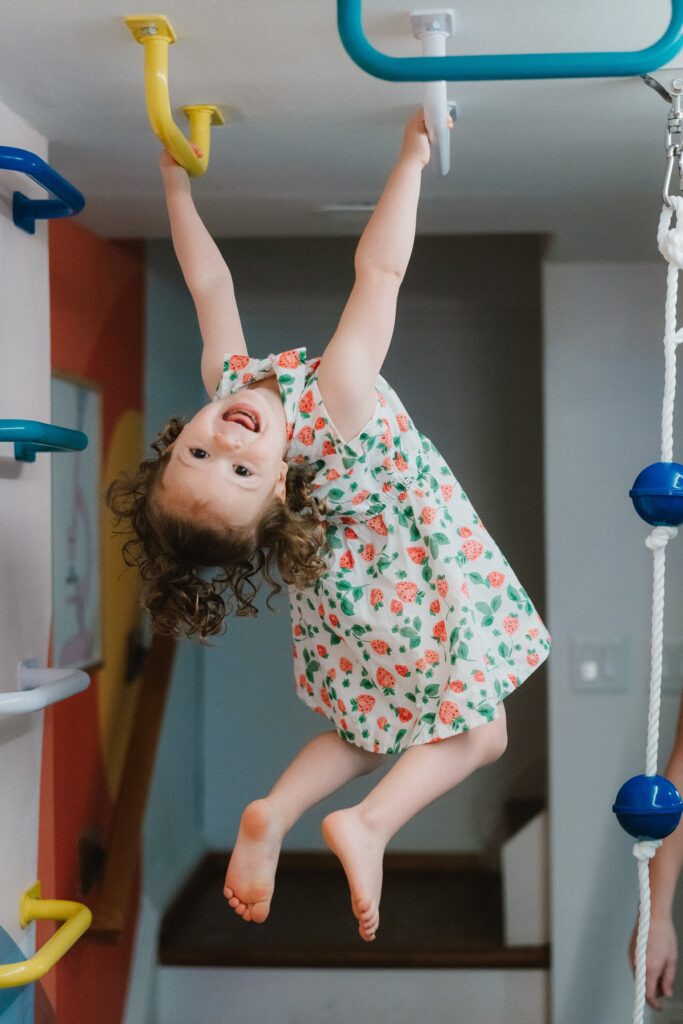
(354, 356)
(665, 868)
(206, 274)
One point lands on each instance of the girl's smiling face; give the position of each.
(227, 463)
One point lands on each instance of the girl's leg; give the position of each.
(358, 835)
(320, 768)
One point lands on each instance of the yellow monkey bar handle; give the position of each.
(76, 919)
(154, 32)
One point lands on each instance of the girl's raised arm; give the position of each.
(354, 356)
(206, 274)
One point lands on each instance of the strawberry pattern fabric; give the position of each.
(420, 628)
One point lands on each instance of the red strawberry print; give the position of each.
(306, 435)
(367, 552)
(346, 561)
(402, 670)
(350, 533)
(321, 610)
(439, 631)
(431, 656)
(365, 703)
(464, 531)
(378, 525)
(407, 591)
(417, 555)
(322, 651)
(447, 491)
(379, 646)
(400, 462)
(514, 680)
(329, 449)
(428, 514)
(442, 585)
(435, 607)
(532, 658)
(403, 496)
(306, 402)
(396, 607)
(376, 597)
(382, 723)
(342, 706)
(404, 714)
(448, 711)
(464, 589)
(386, 486)
(345, 665)
(349, 520)
(472, 549)
(334, 621)
(402, 421)
(319, 423)
(332, 674)
(325, 697)
(420, 664)
(511, 624)
(247, 378)
(385, 679)
(456, 685)
(238, 362)
(359, 498)
(290, 359)
(387, 462)
(332, 474)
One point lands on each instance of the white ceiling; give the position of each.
(580, 160)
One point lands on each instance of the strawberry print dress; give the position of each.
(420, 628)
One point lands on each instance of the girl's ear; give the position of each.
(281, 486)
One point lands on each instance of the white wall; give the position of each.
(25, 551)
(603, 390)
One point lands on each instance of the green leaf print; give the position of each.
(432, 690)
(504, 650)
(415, 643)
(434, 547)
(400, 734)
(513, 595)
(414, 532)
(496, 603)
(453, 638)
(408, 632)
(347, 606)
(428, 718)
(462, 651)
(483, 607)
(357, 593)
(442, 538)
(411, 697)
(332, 539)
(343, 585)
(311, 669)
(367, 684)
(336, 494)
(475, 577)
(487, 711)
(426, 572)
(488, 621)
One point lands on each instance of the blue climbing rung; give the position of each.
(31, 436)
(68, 200)
(505, 66)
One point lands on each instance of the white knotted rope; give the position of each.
(670, 242)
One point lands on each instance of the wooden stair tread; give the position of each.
(437, 911)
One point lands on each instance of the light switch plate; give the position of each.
(598, 664)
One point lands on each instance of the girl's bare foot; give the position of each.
(361, 852)
(250, 880)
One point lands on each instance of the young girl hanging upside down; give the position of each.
(409, 626)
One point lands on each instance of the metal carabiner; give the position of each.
(670, 161)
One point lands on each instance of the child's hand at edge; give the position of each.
(662, 955)
(415, 138)
(170, 169)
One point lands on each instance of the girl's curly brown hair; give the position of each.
(171, 552)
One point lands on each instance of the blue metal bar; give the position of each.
(505, 66)
(68, 200)
(31, 436)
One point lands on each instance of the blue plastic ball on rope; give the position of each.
(657, 494)
(648, 807)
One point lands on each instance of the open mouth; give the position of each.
(244, 418)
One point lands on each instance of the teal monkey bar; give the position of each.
(505, 66)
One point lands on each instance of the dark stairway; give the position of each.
(437, 911)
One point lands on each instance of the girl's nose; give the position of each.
(228, 441)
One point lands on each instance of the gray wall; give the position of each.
(603, 392)
(466, 360)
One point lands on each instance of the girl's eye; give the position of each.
(198, 453)
(242, 471)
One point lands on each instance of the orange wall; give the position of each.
(97, 327)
